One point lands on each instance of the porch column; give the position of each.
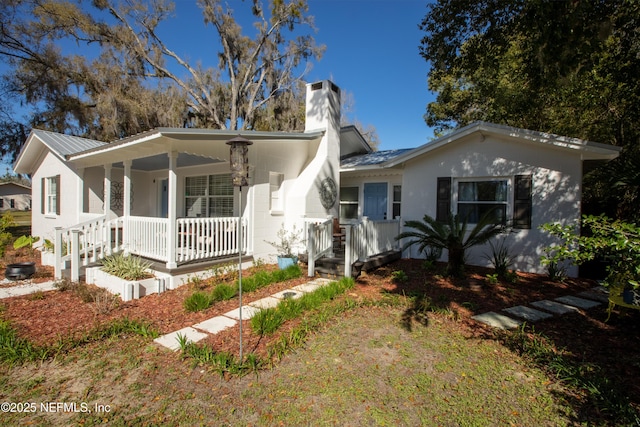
(172, 214)
(127, 189)
(107, 191)
(126, 205)
(80, 193)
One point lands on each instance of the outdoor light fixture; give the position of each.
(239, 164)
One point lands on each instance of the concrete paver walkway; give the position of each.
(544, 309)
(217, 324)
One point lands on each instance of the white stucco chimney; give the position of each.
(322, 106)
(310, 192)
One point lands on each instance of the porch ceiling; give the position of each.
(148, 150)
(161, 162)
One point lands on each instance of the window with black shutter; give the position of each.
(443, 208)
(522, 202)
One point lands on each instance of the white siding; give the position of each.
(556, 187)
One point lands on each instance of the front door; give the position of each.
(375, 200)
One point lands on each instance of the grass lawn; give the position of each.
(363, 369)
(385, 352)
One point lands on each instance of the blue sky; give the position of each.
(371, 52)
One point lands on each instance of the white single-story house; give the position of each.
(14, 197)
(166, 194)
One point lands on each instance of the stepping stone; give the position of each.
(595, 295)
(497, 320)
(171, 340)
(288, 293)
(216, 324)
(268, 302)
(247, 312)
(307, 287)
(554, 307)
(528, 314)
(312, 285)
(578, 302)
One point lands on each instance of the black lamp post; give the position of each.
(239, 163)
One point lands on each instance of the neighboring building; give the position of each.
(166, 194)
(14, 197)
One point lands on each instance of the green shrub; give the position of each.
(399, 276)
(223, 292)
(126, 267)
(500, 257)
(492, 279)
(6, 221)
(197, 301)
(267, 321)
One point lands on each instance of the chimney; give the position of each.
(322, 106)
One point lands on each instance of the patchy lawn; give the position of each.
(407, 353)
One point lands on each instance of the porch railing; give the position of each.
(366, 238)
(196, 238)
(147, 237)
(319, 242)
(85, 243)
(200, 238)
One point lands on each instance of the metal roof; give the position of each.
(371, 159)
(66, 144)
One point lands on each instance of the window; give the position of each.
(12, 203)
(1, 203)
(50, 195)
(477, 198)
(209, 196)
(397, 199)
(276, 201)
(349, 202)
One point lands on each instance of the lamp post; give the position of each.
(239, 164)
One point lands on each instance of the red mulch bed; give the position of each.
(585, 335)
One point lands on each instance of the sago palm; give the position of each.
(452, 236)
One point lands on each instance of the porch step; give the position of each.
(334, 266)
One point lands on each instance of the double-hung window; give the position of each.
(349, 202)
(477, 198)
(209, 196)
(50, 191)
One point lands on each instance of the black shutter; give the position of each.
(443, 208)
(522, 202)
(57, 194)
(42, 195)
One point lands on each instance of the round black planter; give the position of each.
(20, 270)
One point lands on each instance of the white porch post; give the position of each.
(107, 191)
(127, 189)
(172, 215)
(80, 193)
(348, 255)
(126, 208)
(57, 248)
(107, 201)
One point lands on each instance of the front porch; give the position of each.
(199, 242)
(195, 240)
